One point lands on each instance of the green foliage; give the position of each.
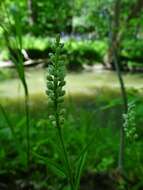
(39, 43)
(49, 142)
(58, 19)
(15, 43)
(85, 52)
(78, 52)
(105, 164)
(74, 15)
(14, 26)
(93, 17)
(132, 52)
(90, 16)
(79, 123)
(129, 123)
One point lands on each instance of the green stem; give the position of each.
(122, 135)
(66, 159)
(114, 30)
(27, 114)
(27, 129)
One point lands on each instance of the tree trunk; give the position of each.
(31, 14)
(114, 60)
(114, 41)
(135, 10)
(116, 35)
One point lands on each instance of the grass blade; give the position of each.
(8, 121)
(80, 166)
(54, 167)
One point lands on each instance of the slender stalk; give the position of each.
(122, 135)
(60, 134)
(19, 65)
(116, 25)
(66, 159)
(27, 130)
(55, 92)
(114, 48)
(27, 115)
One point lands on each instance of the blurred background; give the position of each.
(103, 44)
(92, 31)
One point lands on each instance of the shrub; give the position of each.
(78, 52)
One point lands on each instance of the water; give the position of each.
(88, 84)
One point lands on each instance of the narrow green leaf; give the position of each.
(87, 146)
(79, 168)
(52, 165)
(7, 119)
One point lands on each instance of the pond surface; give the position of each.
(83, 83)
